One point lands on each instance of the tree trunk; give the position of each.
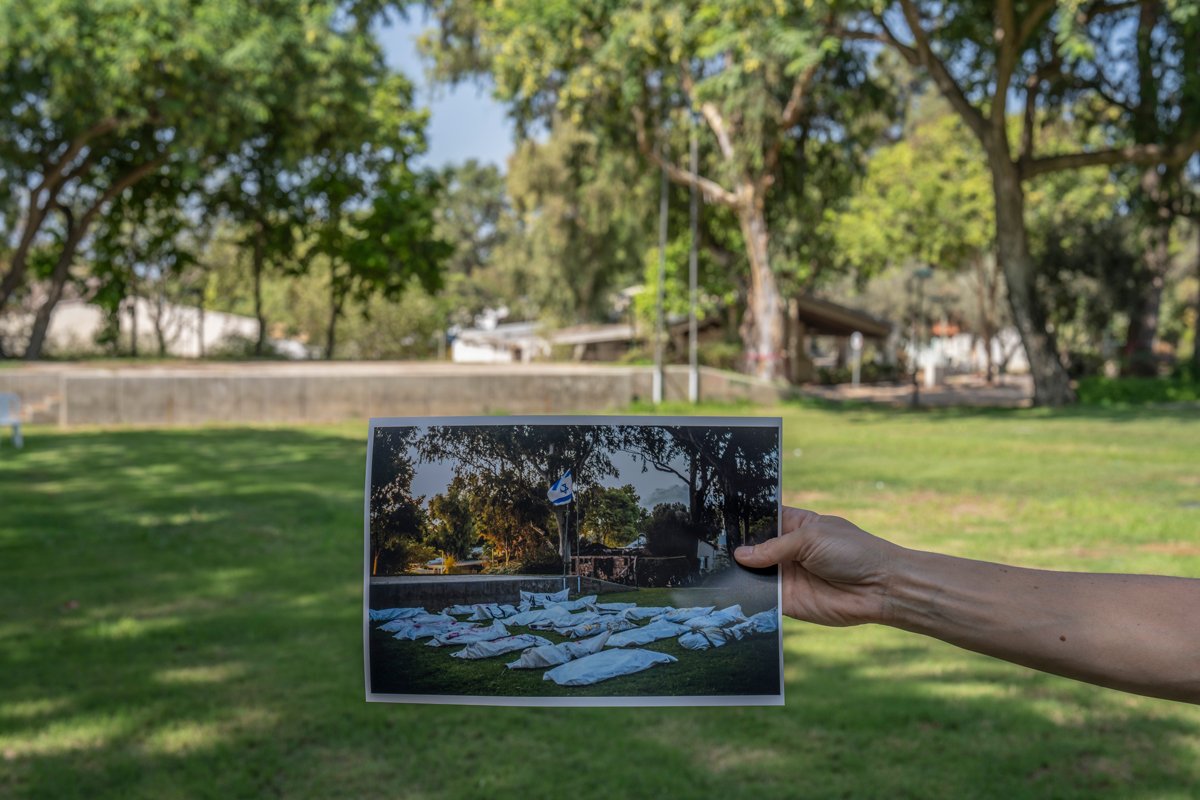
(1196, 319)
(18, 264)
(58, 280)
(762, 327)
(257, 257)
(336, 301)
(159, 330)
(986, 298)
(1156, 261)
(1144, 313)
(1051, 384)
(133, 322)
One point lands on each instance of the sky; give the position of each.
(465, 121)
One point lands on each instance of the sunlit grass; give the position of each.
(179, 617)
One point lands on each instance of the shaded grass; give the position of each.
(180, 617)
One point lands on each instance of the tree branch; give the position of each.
(121, 184)
(1005, 34)
(796, 105)
(712, 115)
(1171, 155)
(711, 190)
(1101, 9)
(55, 176)
(937, 70)
(1034, 18)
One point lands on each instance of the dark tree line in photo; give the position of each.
(496, 498)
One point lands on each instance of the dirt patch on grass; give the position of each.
(1172, 548)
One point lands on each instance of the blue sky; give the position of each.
(465, 121)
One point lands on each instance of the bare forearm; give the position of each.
(1140, 633)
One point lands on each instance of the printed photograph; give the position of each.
(571, 561)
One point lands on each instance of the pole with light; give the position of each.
(693, 270)
(917, 285)
(660, 316)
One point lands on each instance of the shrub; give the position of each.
(1097, 391)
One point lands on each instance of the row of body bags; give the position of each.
(601, 625)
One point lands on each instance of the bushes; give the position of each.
(871, 372)
(1099, 391)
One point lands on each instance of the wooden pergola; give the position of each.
(809, 316)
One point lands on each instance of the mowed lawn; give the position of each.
(180, 617)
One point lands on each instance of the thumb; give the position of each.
(772, 551)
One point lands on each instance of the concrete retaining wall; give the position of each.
(257, 393)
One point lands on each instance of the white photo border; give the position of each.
(561, 702)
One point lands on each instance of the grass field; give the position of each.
(180, 617)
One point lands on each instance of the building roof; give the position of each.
(825, 318)
(594, 334)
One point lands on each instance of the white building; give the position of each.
(502, 343)
(75, 325)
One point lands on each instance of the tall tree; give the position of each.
(927, 200)
(101, 97)
(451, 526)
(610, 516)
(330, 157)
(474, 216)
(1157, 100)
(763, 78)
(987, 59)
(397, 519)
(581, 210)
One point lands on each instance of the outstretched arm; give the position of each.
(1138, 633)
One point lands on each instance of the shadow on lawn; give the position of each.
(216, 651)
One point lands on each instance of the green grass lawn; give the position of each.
(180, 617)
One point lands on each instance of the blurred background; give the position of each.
(955, 245)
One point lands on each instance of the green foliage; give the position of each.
(717, 288)
(1099, 391)
(397, 519)
(926, 199)
(768, 81)
(671, 532)
(581, 209)
(451, 529)
(612, 517)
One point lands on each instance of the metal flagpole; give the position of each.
(693, 291)
(660, 321)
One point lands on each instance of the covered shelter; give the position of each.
(809, 316)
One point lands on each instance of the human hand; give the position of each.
(833, 572)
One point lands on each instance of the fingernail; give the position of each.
(743, 551)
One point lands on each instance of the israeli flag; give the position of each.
(562, 492)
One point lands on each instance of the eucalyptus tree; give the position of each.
(1026, 59)
(766, 80)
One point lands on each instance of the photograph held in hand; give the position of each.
(571, 561)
